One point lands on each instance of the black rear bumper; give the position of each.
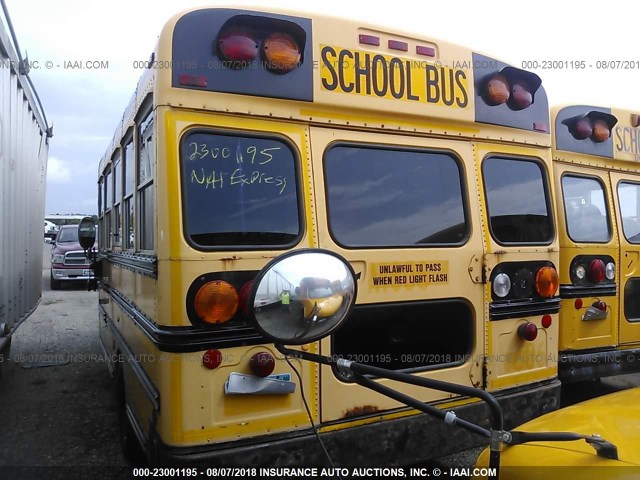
(398, 441)
(578, 367)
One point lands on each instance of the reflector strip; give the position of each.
(369, 40)
(427, 51)
(398, 45)
(193, 80)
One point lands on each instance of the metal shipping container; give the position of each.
(24, 138)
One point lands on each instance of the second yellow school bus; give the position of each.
(596, 154)
(426, 165)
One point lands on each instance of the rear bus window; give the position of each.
(383, 197)
(517, 201)
(585, 209)
(629, 200)
(238, 191)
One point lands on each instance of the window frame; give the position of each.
(298, 180)
(128, 199)
(455, 156)
(116, 166)
(606, 204)
(145, 112)
(106, 174)
(547, 195)
(628, 182)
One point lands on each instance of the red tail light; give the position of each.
(597, 271)
(521, 97)
(243, 297)
(578, 303)
(262, 364)
(582, 129)
(212, 359)
(528, 331)
(600, 305)
(238, 47)
(547, 320)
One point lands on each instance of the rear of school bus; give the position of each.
(595, 155)
(393, 151)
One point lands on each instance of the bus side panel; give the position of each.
(629, 262)
(197, 409)
(424, 307)
(576, 332)
(512, 361)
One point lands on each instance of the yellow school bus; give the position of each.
(596, 152)
(425, 164)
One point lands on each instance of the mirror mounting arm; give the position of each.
(360, 370)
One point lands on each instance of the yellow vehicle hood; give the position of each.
(615, 417)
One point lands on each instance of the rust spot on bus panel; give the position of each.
(359, 411)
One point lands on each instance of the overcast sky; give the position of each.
(85, 106)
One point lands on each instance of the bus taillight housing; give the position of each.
(512, 86)
(218, 301)
(593, 125)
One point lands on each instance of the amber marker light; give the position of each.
(216, 302)
(497, 91)
(281, 52)
(547, 282)
(601, 131)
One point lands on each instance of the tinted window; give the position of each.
(517, 201)
(585, 209)
(146, 160)
(629, 200)
(385, 197)
(238, 190)
(129, 168)
(117, 181)
(67, 234)
(108, 192)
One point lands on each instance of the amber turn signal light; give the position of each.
(547, 282)
(216, 302)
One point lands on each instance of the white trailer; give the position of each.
(24, 144)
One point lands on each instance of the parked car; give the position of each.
(50, 230)
(68, 260)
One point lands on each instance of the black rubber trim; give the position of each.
(185, 339)
(576, 291)
(515, 309)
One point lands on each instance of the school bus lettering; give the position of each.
(409, 273)
(383, 76)
(627, 139)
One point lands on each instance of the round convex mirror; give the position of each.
(302, 296)
(87, 233)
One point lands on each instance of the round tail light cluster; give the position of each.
(512, 87)
(239, 48)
